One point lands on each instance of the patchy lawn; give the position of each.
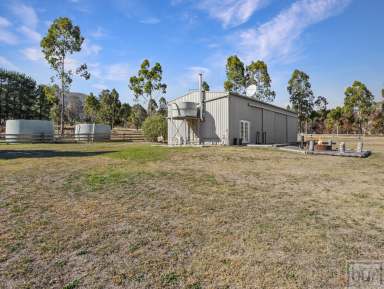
(137, 216)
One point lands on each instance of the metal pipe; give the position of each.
(201, 95)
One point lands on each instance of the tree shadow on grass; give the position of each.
(15, 154)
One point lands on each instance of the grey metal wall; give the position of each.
(222, 120)
(214, 128)
(279, 124)
(280, 128)
(292, 129)
(239, 110)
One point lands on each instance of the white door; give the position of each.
(245, 131)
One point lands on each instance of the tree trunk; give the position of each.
(62, 109)
(149, 105)
(62, 99)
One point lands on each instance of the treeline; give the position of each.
(359, 113)
(107, 108)
(21, 97)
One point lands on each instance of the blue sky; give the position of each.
(334, 41)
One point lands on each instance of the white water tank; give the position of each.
(184, 109)
(29, 130)
(92, 132)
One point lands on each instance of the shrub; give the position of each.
(155, 126)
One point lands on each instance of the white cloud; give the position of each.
(26, 14)
(94, 70)
(195, 70)
(231, 13)
(5, 63)
(150, 20)
(117, 71)
(90, 48)
(32, 53)
(188, 79)
(4, 22)
(8, 37)
(98, 33)
(30, 33)
(99, 86)
(277, 38)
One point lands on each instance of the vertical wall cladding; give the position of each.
(280, 128)
(214, 129)
(269, 125)
(223, 114)
(292, 129)
(239, 109)
(276, 123)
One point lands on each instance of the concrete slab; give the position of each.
(354, 154)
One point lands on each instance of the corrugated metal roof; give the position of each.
(212, 95)
(262, 102)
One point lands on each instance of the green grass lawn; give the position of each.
(113, 215)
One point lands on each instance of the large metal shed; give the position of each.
(227, 118)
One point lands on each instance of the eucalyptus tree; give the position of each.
(205, 86)
(43, 103)
(382, 101)
(152, 107)
(125, 112)
(334, 118)
(62, 40)
(51, 92)
(163, 106)
(301, 96)
(319, 114)
(257, 74)
(110, 106)
(91, 108)
(138, 115)
(235, 72)
(358, 101)
(147, 82)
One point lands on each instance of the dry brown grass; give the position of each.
(153, 217)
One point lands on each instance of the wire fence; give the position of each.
(70, 138)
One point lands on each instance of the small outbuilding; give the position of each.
(228, 118)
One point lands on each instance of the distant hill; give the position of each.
(74, 96)
(74, 103)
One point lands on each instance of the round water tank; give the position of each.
(92, 132)
(28, 130)
(184, 109)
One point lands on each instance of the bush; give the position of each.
(155, 126)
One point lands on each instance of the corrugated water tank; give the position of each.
(92, 132)
(29, 130)
(184, 109)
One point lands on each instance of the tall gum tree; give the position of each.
(147, 82)
(301, 96)
(63, 39)
(257, 74)
(358, 101)
(235, 72)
